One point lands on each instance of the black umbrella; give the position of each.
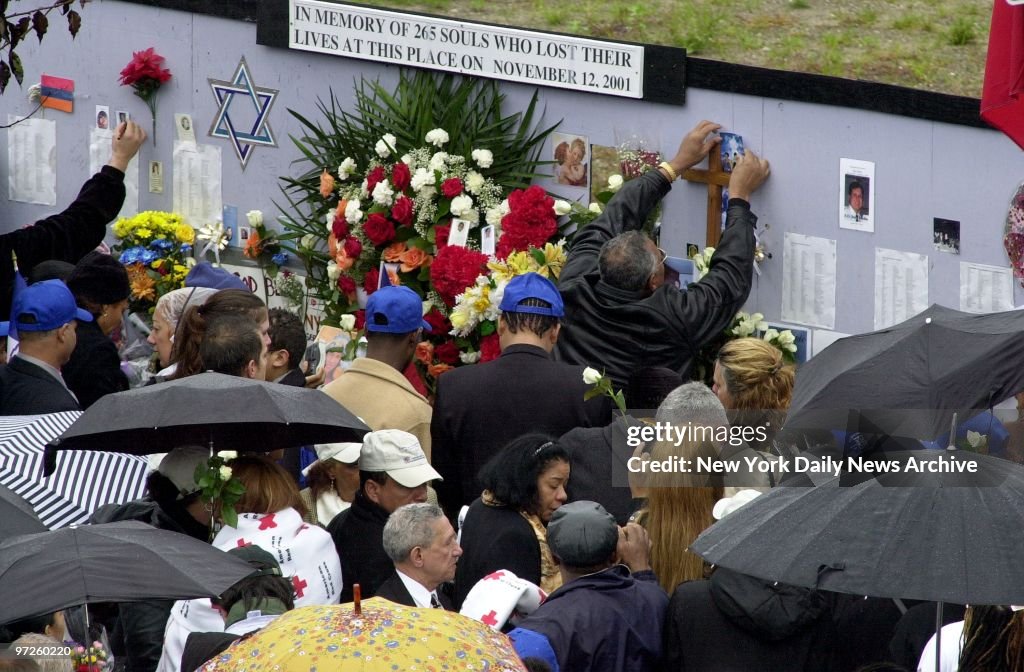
(947, 537)
(113, 562)
(16, 515)
(909, 379)
(230, 412)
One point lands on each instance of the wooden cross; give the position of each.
(716, 179)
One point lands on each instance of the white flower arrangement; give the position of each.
(483, 157)
(462, 205)
(437, 137)
(438, 161)
(346, 168)
(386, 145)
(474, 182)
(353, 215)
(383, 194)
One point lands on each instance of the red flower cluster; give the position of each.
(441, 233)
(401, 211)
(375, 176)
(452, 187)
(347, 285)
(371, 280)
(530, 222)
(447, 353)
(400, 176)
(490, 348)
(339, 227)
(379, 229)
(454, 269)
(439, 324)
(145, 72)
(360, 319)
(353, 248)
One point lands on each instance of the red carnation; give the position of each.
(400, 176)
(441, 233)
(371, 280)
(376, 175)
(145, 65)
(530, 222)
(447, 352)
(490, 348)
(439, 324)
(360, 319)
(353, 248)
(452, 187)
(347, 285)
(455, 268)
(379, 229)
(401, 211)
(339, 227)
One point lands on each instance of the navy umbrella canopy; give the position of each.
(909, 379)
(16, 515)
(227, 412)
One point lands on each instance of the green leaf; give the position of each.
(74, 23)
(487, 328)
(5, 76)
(538, 256)
(591, 393)
(40, 24)
(229, 515)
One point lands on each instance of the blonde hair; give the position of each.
(268, 487)
(756, 375)
(678, 509)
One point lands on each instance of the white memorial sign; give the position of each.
(498, 52)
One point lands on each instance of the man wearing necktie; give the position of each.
(424, 548)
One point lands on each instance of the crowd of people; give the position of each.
(506, 475)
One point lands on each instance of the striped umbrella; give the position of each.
(83, 481)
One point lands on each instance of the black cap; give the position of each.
(582, 534)
(262, 561)
(99, 278)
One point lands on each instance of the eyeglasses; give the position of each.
(663, 254)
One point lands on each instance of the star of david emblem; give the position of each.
(245, 127)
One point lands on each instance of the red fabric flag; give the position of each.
(1002, 98)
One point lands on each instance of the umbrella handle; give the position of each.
(357, 599)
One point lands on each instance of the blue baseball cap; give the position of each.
(395, 310)
(532, 286)
(46, 305)
(206, 275)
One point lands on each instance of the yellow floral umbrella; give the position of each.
(385, 636)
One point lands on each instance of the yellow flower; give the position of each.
(143, 232)
(458, 319)
(180, 269)
(185, 233)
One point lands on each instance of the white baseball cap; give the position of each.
(399, 455)
(342, 452)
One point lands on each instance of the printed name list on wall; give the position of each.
(497, 52)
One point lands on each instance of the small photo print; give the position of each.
(731, 148)
(183, 127)
(946, 234)
(487, 240)
(103, 117)
(692, 250)
(856, 196)
(387, 275)
(121, 116)
(572, 161)
(459, 232)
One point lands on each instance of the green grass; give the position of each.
(937, 45)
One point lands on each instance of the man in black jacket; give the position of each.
(425, 549)
(69, 235)
(537, 394)
(620, 315)
(393, 472)
(47, 320)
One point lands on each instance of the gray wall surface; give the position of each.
(923, 169)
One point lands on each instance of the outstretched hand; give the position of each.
(695, 146)
(128, 138)
(748, 174)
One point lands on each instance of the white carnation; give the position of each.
(438, 161)
(562, 208)
(255, 218)
(407, 159)
(474, 182)
(364, 189)
(494, 216)
(347, 167)
(353, 215)
(469, 357)
(383, 194)
(225, 473)
(483, 157)
(462, 205)
(386, 145)
(437, 137)
(421, 178)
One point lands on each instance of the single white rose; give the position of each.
(469, 357)
(353, 215)
(347, 167)
(422, 178)
(462, 205)
(347, 322)
(770, 335)
(225, 473)
(386, 145)
(786, 337)
(614, 182)
(591, 376)
(437, 137)
(255, 218)
(438, 161)
(483, 157)
(562, 208)
(308, 241)
(595, 207)
(474, 182)
(974, 439)
(333, 271)
(383, 194)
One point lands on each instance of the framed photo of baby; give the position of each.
(572, 161)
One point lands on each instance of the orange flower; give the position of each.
(254, 246)
(343, 260)
(142, 286)
(435, 370)
(393, 252)
(414, 258)
(340, 210)
(425, 352)
(326, 184)
(332, 245)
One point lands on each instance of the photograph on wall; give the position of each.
(731, 148)
(604, 162)
(857, 195)
(102, 117)
(122, 116)
(946, 234)
(571, 161)
(183, 127)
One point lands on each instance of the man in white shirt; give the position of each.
(423, 545)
